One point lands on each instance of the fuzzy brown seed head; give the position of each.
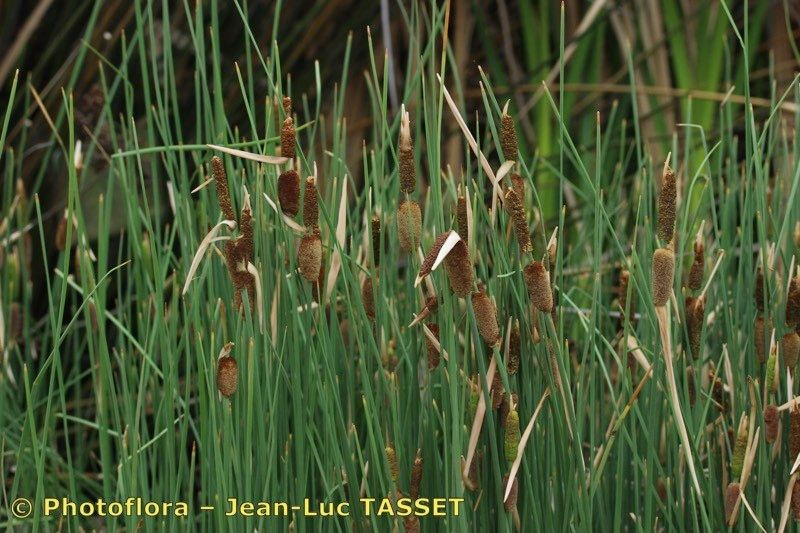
(690, 386)
(793, 304)
(772, 422)
(461, 217)
(537, 280)
(432, 304)
(407, 170)
(288, 138)
(731, 497)
(391, 460)
(287, 105)
(667, 201)
(411, 523)
(311, 204)
(512, 364)
(223, 195)
(516, 209)
(794, 432)
(409, 225)
(433, 353)
(227, 375)
(508, 138)
(498, 392)
(511, 502)
(718, 394)
(375, 228)
(505, 407)
(309, 256)
(663, 276)
(458, 266)
(474, 470)
(695, 279)
(795, 503)
(760, 332)
(289, 192)
(695, 319)
(433, 253)
(790, 350)
(368, 298)
(486, 317)
(416, 476)
(758, 290)
(512, 436)
(518, 183)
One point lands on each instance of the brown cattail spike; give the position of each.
(537, 281)
(695, 281)
(663, 276)
(458, 266)
(731, 497)
(498, 391)
(368, 298)
(511, 502)
(311, 204)
(795, 503)
(409, 225)
(287, 138)
(666, 206)
(508, 137)
(758, 291)
(227, 372)
(772, 422)
(376, 240)
(461, 217)
(695, 318)
(309, 256)
(289, 192)
(416, 476)
(794, 433)
(433, 353)
(514, 204)
(793, 304)
(760, 329)
(486, 317)
(790, 350)
(512, 364)
(405, 154)
(690, 386)
(221, 179)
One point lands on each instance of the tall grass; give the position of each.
(113, 392)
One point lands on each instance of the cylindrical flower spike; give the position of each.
(223, 195)
(287, 138)
(227, 372)
(512, 435)
(409, 225)
(309, 256)
(289, 192)
(486, 317)
(405, 154)
(508, 137)
(311, 204)
(772, 422)
(537, 281)
(663, 276)
(514, 204)
(739, 448)
(458, 266)
(667, 201)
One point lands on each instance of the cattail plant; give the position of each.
(227, 372)
(416, 476)
(409, 215)
(311, 204)
(289, 192)
(739, 448)
(309, 256)
(667, 201)
(498, 391)
(458, 266)
(695, 318)
(793, 304)
(368, 298)
(663, 275)
(731, 497)
(772, 374)
(288, 137)
(508, 136)
(760, 329)
(223, 195)
(462, 220)
(794, 432)
(512, 434)
(695, 278)
(486, 317)
(409, 225)
(515, 205)
(790, 350)
(772, 423)
(795, 503)
(391, 460)
(537, 280)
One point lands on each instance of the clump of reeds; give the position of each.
(227, 372)
(486, 317)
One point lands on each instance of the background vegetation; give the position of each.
(108, 384)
